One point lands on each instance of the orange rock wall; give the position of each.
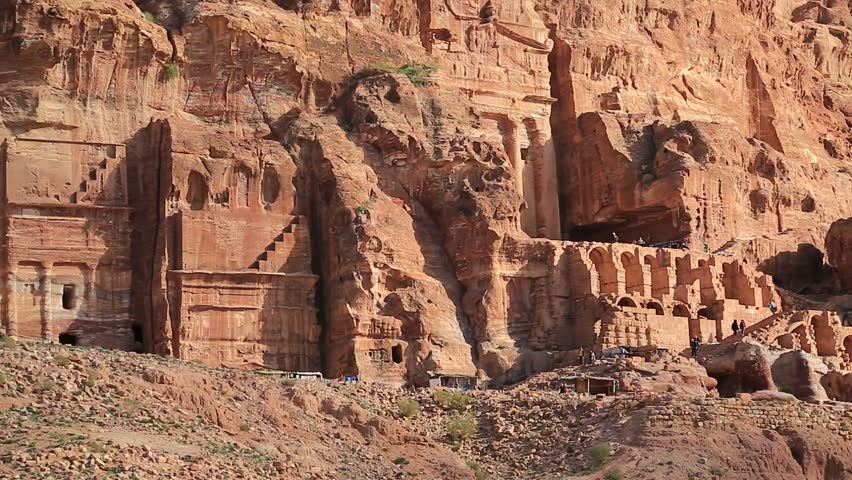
(719, 123)
(66, 248)
(229, 183)
(839, 245)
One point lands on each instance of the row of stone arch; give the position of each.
(679, 310)
(735, 282)
(823, 342)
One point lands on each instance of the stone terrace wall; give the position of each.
(722, 413)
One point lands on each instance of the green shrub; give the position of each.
(600, 453)
(462, 427)
(786, 389)
(97, 446)
(364, 207)
(478, 473)
(171, 71)
(417, 72)
(408, 407)
(290, 382)
(7, 342)
(92, 378)
(245, 427)
(46, 386)
(150, 17)
(61, 360)
(614, 474)
(400, 461)
(452, 400)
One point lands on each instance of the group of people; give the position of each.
(587, 357)
(739, 328)
(640, 242)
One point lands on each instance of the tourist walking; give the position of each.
(696, 345)
(742, 328)
(735, 327)
(692, 347)
(772, 307)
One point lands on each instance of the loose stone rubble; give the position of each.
(397, 189)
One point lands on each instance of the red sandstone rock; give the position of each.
(712, 152)
(838, 243)
(231, 184)
(752, 367)
(838, 386)
(801, 374)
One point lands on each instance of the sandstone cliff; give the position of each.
(720, 123)
(839, 245)
(394, 189)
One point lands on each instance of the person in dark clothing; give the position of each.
(697, 347)
(772, 307)
(692, 346)
(735, 327)
(742, 328)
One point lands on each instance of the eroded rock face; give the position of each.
(838, 243)
(661, 141)
(238, 183)
(744, 367)
(801, 375)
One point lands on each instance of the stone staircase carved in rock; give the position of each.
(93, 185)
(282, 249)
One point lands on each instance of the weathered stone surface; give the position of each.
(744, 366)
(688, 122)
(243, 183)
(838, 243)
(67, 251)
(802, 375)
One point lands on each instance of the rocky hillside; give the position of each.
(400, 190)
(89, 413)
(403, 178)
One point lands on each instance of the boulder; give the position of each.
(741, 367)
(799, 373)
(837, 386)
(752, 367)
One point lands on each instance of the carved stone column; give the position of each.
(647, 280)
(89, 275)
(546, 186)
(12, 303)
(46, 284)
(517, 159)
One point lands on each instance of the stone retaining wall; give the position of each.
(725, 412)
